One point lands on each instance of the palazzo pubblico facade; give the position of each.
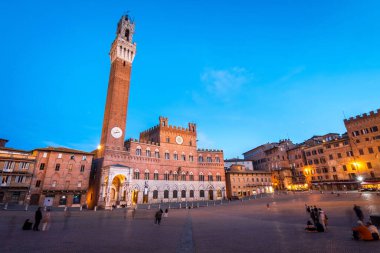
(164, 165)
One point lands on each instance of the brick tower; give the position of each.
(122, 53)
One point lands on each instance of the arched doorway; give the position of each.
(210, 194)
(135, 196)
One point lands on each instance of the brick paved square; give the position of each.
(247, 226)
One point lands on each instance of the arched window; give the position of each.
(191, 158)
(167, 155)
(138, 151)
(219, 178)
(166, 176)
(166, 194)
(201, 177)
(156, 154)
(183, 157)
(183, 176)
(136, 175)
(147, 152)
(183, 194)
(175, 156)
(155, 175)
(175, 176)
(217, 159)
(200, 159)
(191, 193)
(146, 175)
(127, 34)
(210, 178)
(191, 176)
(209, 159)
(202, 193)
(155, 194)
(175, 194)
(219, 193)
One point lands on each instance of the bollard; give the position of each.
(207, 203)
(169, 205)
(214, 203)
(148, 207)
(96, 207)
(192, 205)
(6, 206)
(180, 205)
(80, 208)
(198, 204)
(26, 207)
(159, 206)
(63, 209)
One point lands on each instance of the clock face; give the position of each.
(179, 140)
(116, 132)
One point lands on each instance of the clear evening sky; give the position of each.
(247, 72)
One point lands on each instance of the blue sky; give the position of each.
(247, 72)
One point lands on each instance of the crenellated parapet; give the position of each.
(365, 116)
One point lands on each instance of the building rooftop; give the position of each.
(64, 150)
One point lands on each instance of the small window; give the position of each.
(42, 166)
(183, 194)
(57, 167)
(44, 155)
(54, 184)
(155, 194)
(82, 168)
(136, 175)
(72, 157)
(361, 152)
(175, 194)
(38, 183)
(138, 151)
(166, 194)
(84, 158)
(166, 176)
(191, 193)
(70, 168)
(79, 184)
(60, 155)
(155, 175)
(167, 156)
(156, 154)
(370, 150)
(146, 175)
(344, 167)
(202, 193)
(369, 165)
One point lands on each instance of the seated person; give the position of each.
(373, 230)
(310, 227)
(27, 225)
(361, 232)
(319, 227)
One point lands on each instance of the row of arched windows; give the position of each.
(183, 157)
(183, 194)
(184, 176)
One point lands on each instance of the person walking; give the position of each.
(158, 217)
(359, 213)
(323, 219)
(46, 220)
(37, 219)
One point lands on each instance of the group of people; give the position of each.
(318, 219)
(38, 217)
(159, 214)
(367, 232)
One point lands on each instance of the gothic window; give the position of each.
(209, 159)
(201, 177)
(155, 194)
(155, 175)
(166, 194)
(156, 154)
(219, 193)
(146, 175)
(175, 176)
(219, 178)
(183, 157)
(200, 159)
(147, 152)
(217, 159)
(191, 193)
(202, 193)
(136, 175)
(183, 176)
(166, 176)
(183, 194)
(167, 156)
(138, 151)
(191, 176)
(175, 156)
(175, 194)
(57, 167)
(210, 178)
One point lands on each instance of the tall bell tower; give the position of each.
(122, 53)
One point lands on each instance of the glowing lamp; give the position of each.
(360, 178)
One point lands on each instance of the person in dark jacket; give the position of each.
(158, 216)
(359, 212)
(37, 219)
